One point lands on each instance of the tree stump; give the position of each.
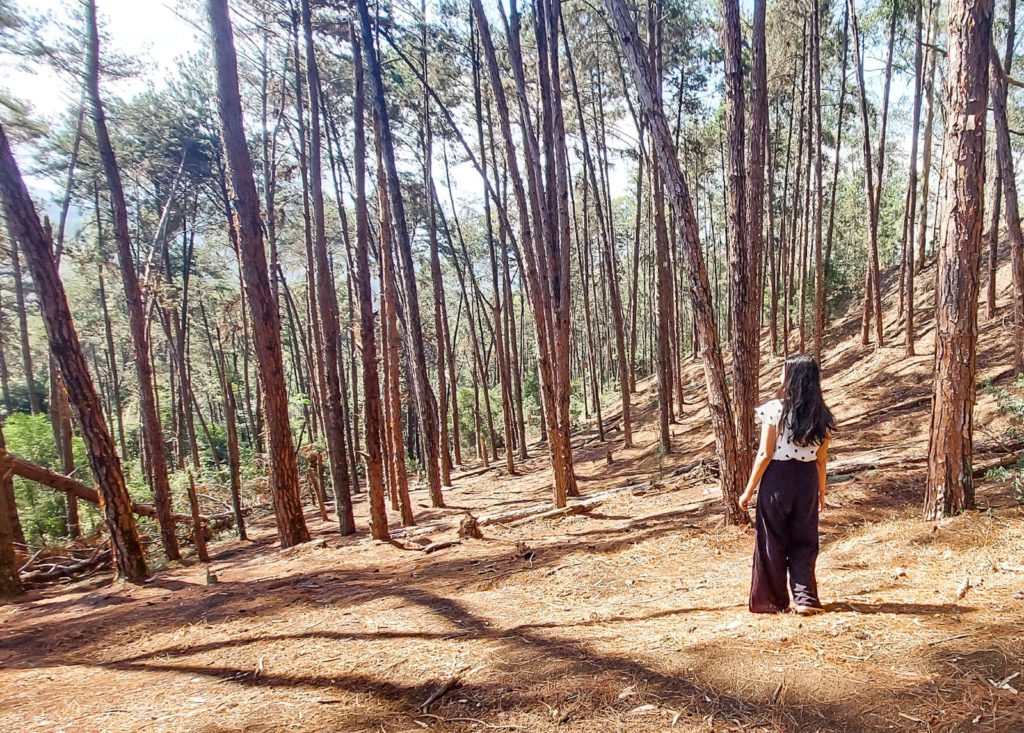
(469, 528)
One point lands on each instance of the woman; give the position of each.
(790, 468)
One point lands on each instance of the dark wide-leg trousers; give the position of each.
(787, 537)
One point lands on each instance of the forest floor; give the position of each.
(628, 617)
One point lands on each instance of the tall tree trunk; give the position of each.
(583, 256)
(230, 424)
(66, 348)
(911, 207)
(364, 291)
(1004, 156)
(872, 282)
(741, 261)
(268, 143)
(513, 345)
(60, 419)
(995, 213)
(663, 273)
(426, 406)
(327, 299)
(389, 338)
(950, 487)
(541, 252)
(266, 321)
(806, 219)
(839, 140)
(927, 135)
(604, 223)
(755, 204)
(22, 311)
(504, 378)
(108, 332)
(152, 432)
(60, 408)
(437, 281)
(771, 252)
(819, 254)
(797, 208)
(682, 206)
(316, 365)
(634, 300)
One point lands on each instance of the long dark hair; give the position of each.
(804, 410)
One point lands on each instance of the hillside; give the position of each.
(630, 615)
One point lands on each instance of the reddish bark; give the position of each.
(1004, 158)
(950, 487)
(327, 300)
(266, 323)
(65, 346)
(10, 581)
(364, 291)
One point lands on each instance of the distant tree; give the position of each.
(679, 198)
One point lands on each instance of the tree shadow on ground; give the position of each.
(577, 666)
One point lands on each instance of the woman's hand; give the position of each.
(821, 500)
(745, 499)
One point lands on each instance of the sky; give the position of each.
(156, 33)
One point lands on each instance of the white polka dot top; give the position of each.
(785, 449)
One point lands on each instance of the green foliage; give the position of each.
(42, 511)
(576, 396)
(1010, 401)
(19, 400)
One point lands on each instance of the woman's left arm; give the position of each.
(765, 452)
(822, 480)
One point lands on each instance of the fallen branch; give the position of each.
(440, 692)
(471, 473)
(100, 558)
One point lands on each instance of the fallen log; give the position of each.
(435, 546)
(1007, 460)
(889, 457)
(887, 410)
(224, 520)
(583, 506)
(472, 472)
(543, 511)
(1007, 454)
(67, 485)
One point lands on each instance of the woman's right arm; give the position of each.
(822, 479)
(765, 452)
